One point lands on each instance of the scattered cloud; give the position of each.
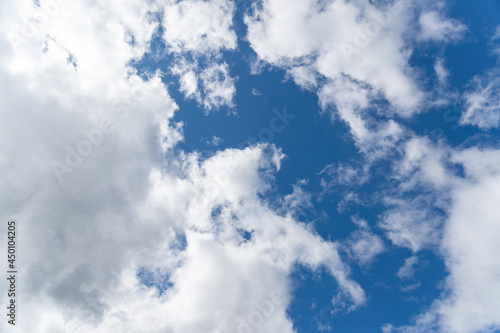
(363, 245)
(435, 27)
(408, 269)
(442, 72)
(196, 33)
(417, 205)
(215, 141)
(356, 56)
(468, 250)
(482, 101)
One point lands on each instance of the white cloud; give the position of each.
(408, 269)
(435, 27)
(469, 246)
(199, 26)
(351, 99)
(494, 42)
(304, 76)
(298, 201)
(215, 141)
(352, 53)
(342, 174)
(357, 40)
(416, 206)
(423, 162)
(443, 94)
(442, 72)
(189, 84)
(482, 101)
(412, 223)
(356, 56)
(496, 34)
(197, 32)
(363, 245)
(218, 86)
(210, 84)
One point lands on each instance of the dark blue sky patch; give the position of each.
(154, 279)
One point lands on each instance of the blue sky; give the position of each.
(253, 166)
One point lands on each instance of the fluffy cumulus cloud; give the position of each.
(353, 53)
(469, 245)
(469, 302)
(195, 33)
(122, 231)
(336, 39)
